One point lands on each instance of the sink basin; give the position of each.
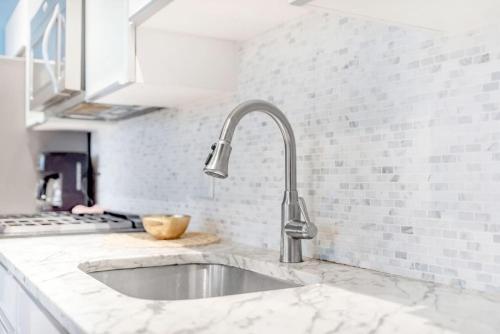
(187, 281)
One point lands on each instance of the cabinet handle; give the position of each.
(61, 25)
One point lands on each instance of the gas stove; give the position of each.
(56, 223)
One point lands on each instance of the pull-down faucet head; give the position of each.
(218, 159)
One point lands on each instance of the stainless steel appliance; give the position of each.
(57, 65)
(56, 223)
(53, 46)
(64, 181)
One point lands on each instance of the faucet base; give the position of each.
(291, 248)
(292, 251)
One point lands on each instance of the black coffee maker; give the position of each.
(64, 181)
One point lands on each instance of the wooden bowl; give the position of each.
(166, 227)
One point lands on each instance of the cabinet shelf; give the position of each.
(66, 124)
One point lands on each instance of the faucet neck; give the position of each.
(284, 125)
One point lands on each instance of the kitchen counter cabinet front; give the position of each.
(19, 313)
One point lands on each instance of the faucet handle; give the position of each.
(303, 210)
(210, 155)
(311, 229)
(301, 229)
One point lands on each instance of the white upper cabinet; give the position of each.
(166, 52)
(172, 68)
(109, 45)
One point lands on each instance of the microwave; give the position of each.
(57, 53)
(56, 80)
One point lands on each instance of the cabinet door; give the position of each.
(8, 299)
(5, 325)
(109, 47)
(31, 319)
(19, 313)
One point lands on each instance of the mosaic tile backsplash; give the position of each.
(398, 142)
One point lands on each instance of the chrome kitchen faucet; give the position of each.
(293, 229)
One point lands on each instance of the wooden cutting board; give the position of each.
(144, 240)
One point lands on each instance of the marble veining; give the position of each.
(334, 299)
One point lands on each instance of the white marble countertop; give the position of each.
(334, 299)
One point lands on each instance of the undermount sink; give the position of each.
(187, 281)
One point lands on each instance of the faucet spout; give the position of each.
(293, 229)
(279, 117)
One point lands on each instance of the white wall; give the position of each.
(17, 30)
(17, 168)
(19, 147)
